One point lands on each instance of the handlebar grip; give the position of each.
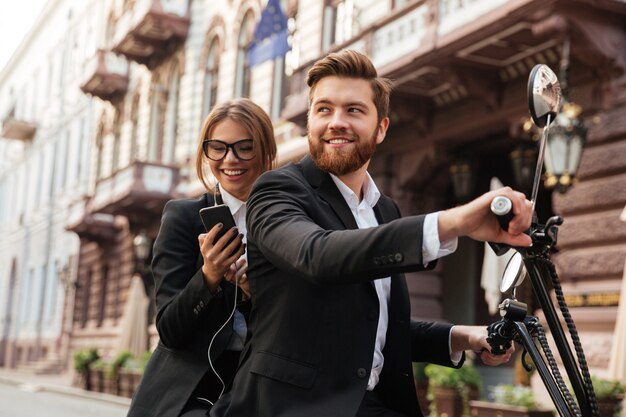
(502, 207)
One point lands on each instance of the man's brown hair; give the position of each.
(352, 64)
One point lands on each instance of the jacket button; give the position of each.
(391, 259)
(361, 373)
(398, 257)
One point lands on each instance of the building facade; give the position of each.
(105, 131)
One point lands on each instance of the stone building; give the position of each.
(150, 70)
(460, 70)
(46, 121)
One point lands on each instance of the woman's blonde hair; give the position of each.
(253, 118)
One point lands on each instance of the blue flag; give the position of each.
(270, 35)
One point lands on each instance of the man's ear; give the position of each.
(382, 130)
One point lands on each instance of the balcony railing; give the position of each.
(106, 76)
(14, 127)
(146, 32)
(96, 227)
(138, 191)
(422, 46)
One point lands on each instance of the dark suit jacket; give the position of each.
(188, 315)
(315, 311)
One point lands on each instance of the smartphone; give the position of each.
(213, 215)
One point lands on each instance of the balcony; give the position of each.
(151, 29)
(16, 128)
(444, 51)
(138, 192)
(106, 76)
(96, 227)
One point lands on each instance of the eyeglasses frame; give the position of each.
(230, 146)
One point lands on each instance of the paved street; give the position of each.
(26, 401)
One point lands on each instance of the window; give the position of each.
(171, 118)
(134, 148)
(242, 70)
(155, 143)
(341, 22)
(211, 77)
(278, 87)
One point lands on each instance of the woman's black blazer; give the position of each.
(188, 315)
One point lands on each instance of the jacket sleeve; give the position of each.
(430, 342)
(185, 306)
(284, 218)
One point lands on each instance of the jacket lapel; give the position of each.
(328, 191)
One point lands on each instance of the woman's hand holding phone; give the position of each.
(219, 256)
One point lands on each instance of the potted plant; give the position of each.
(130, 373)
(98, 375)
(112, 376)
(83, 359)
(610, 395)
(450, 389)
(509, 400)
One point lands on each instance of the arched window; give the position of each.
(242, 70)
(211, 76)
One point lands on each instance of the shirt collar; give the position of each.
(232, 202)
(370, 192)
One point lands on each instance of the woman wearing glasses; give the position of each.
(195, 275)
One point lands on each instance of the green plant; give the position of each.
(443, 376)
(465, 381)
(517, 395)
(137, 363)
(605, 388)
(119, 361)
(84, 358)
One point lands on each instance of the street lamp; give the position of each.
(64, 273)
(567, 135)
(142, 246)
(524, 159)
(564, 147)
(463, 176)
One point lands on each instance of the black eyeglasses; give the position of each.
(216, 150)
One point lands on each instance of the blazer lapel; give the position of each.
(328, 191)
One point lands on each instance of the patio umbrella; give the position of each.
(493, 267)
(133, 336)
(617, 362)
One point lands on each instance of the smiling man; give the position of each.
(330, 332)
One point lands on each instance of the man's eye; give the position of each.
(323, 109)
(354, 110)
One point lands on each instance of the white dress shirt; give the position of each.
(238, 210)
(363, 212)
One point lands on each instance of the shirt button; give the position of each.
(361, 373)
(398, 256)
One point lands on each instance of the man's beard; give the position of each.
(342, 161)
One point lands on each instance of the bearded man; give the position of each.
(330, 332)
